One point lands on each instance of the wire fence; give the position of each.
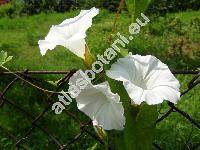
(27, 75)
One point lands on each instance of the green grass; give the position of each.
(19, 37)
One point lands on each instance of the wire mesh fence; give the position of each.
(20, 142)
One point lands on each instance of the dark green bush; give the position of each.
(11, 9)
(164, 6)
(37, 6)
(30, 7)
(6, 10)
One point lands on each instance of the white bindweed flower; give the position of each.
(70, 33)
(146, 79)
(102, 106)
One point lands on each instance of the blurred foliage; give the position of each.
(36, 6)
(136, 7)
(165, 6)
(30, 7)
(11, 9)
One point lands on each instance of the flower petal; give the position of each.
(146, 78)
(134, 92)
(70, 33)
(152, 98)
(123, 70)
(168, 93)
(100, 104)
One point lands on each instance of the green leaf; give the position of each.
(136, 7)
(124, 52)
(4, 58)
(142, 127)
(140, 122)
(55, 83)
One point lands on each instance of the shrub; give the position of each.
(164, 6)
(6, 10)
(30, 7)
(11, 9)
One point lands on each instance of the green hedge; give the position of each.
(30, 7)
